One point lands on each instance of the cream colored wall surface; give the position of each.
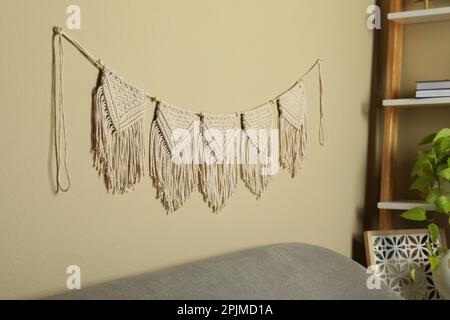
(214, 56)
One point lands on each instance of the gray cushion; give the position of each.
(284, 271)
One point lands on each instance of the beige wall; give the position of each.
(216, 56)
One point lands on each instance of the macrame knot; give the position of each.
(100, 64)
(200, 115)
(57, 29)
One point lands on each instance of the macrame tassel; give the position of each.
(219, 169)
(293, 126)
(174, 181)
(172, 169)
(293, 145)
(252, 169)
(118, 155)
(217, 183)
(256, 148)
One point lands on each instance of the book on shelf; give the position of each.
(433, 85)
(442, 93)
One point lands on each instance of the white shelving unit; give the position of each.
(405, 205)
(416, 103)
(421, 16)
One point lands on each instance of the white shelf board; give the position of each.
(405, 205)
(421, 16)
(428, 102)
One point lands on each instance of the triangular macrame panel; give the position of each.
(293, 125)
(219, 172)
(118, 132)
(172, 146)
(256, 148)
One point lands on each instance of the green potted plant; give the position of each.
(432, 178)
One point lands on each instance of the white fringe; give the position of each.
(251, 166)
(217, 182)
(219, 168)
(174, 182)
(118, 156)
(293, 145)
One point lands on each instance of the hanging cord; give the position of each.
(323, 130)
(323, 135)
(59, 114)
(96, 62)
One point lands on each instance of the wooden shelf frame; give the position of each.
(390, 132)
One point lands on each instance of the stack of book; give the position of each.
(432, 89)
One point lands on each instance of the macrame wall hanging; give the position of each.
(118, 132)
(188, 150)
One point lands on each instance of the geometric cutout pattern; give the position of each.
(394, 256)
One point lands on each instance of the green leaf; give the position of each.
(432, 154)
(419, 166)
(444, 145)
(448, 162)
(445, 174)
(422, 182)
(412, 274)
(444, 133)
(434, 262)
(434, 231)
(428, 139)
(432, 196)
(443, 204)
(415, 214)
(442, 251)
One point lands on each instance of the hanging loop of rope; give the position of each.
(323, 130)
(59, 114)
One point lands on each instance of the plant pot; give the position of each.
(441, 277)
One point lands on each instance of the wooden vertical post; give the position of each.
(390, 133)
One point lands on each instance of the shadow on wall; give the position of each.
(367, 216)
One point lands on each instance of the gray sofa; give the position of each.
(283, 271)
